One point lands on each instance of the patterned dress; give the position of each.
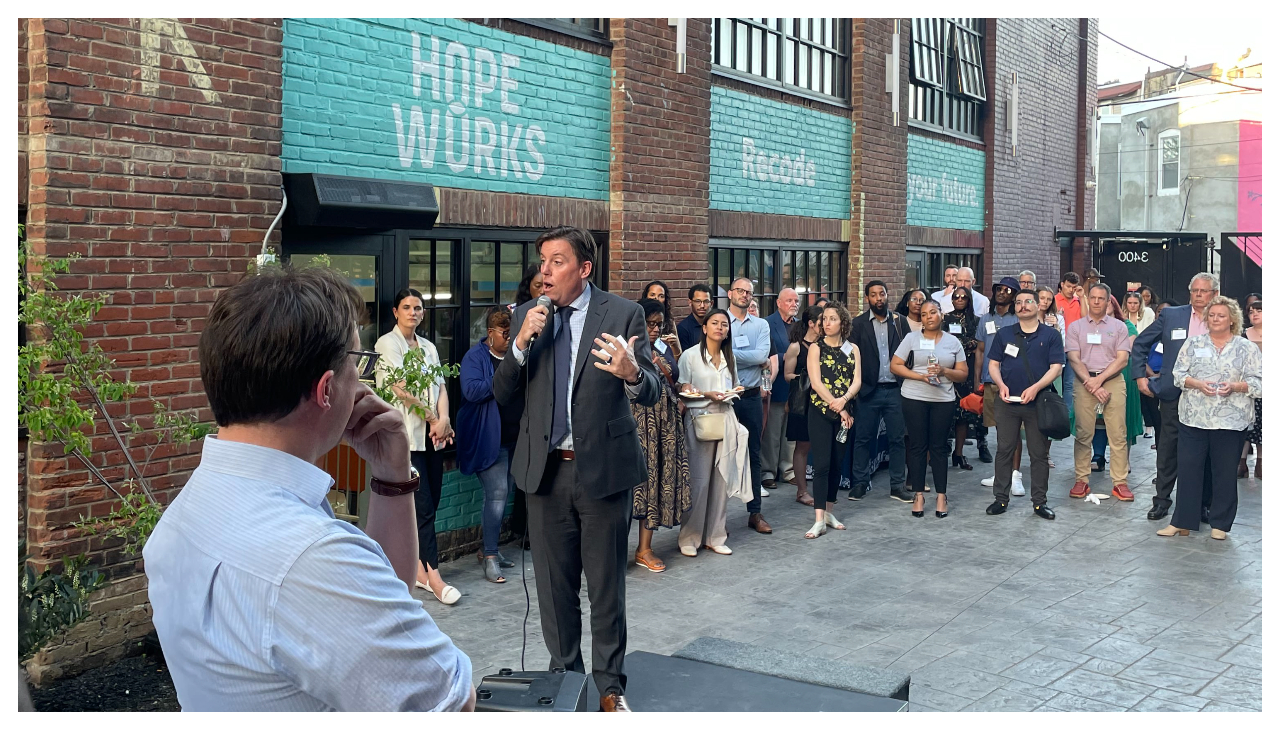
(836, 368)
(968, 339)
(665, 496)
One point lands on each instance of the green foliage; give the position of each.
(133, 519)
(51, 602)
(415, 377)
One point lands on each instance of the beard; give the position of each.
(881, 308)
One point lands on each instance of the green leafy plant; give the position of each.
(417, 377)
(51, 602)
(65, 385)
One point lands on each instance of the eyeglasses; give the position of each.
(366, 362)
(1202, 291)
(740, 289)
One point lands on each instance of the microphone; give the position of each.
(545, 302)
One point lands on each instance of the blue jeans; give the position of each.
(883, 403)
(497, 483)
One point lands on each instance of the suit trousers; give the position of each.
(885, 402)
(571, 533)
(776, 450)
(703, 524)
(1167, 459)
(1219, 449)
(1011, 418)
(750, 414)
(1113, 414)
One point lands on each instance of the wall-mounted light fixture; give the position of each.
(682, 36)
(891, 70)
(1012, 121)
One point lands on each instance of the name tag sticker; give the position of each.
(1160, 347)
(991, 326)
(741, 341)
(1011, 350)
(1093, 338)
(928, 344)
(847, 348)
(954, 328)
(1204, 352)
(660, 346)
(1178, 335)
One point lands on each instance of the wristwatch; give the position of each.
(395, 489)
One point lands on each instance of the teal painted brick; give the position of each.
(946, 185)
(741, 123)
(342, 78)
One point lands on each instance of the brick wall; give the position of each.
(772, 157)
(658, 182)
(23, 78)
(1036, 189)
(510, 113)
(154, 156)
(879, 189)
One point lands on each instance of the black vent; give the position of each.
(349, 202)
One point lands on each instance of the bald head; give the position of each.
(788, 304)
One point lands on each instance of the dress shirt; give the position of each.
(1197, 326)
(749, 358)
(577, 321)
(393, 347)
(943, 295)
(1112, 333)
(249, 563)
(988, 336)
(881, 328)
(702, 375)
(1239, 361)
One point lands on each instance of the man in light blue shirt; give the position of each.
(249, 560)
(750, 336)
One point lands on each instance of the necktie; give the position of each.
(563, 359)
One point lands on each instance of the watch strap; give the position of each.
(395, 489)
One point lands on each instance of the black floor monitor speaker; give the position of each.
(554, 691)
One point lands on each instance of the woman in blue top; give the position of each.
(929, 400)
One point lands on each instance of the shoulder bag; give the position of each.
(798, 399)
(1052, 415)
(709, 427)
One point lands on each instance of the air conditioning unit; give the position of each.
(353, 202)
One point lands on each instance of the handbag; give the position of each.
(972, 403)
(798, 399)
(709, 427)
(1052, 415)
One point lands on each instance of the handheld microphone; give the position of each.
(543, 301)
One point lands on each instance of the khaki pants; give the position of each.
(776, 450)
(1113, 414)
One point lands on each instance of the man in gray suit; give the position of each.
(1169, 332)
(578, 456)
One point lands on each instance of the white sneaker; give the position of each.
(1017, 489)
(989, 481)
(764, 492)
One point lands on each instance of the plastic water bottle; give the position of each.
(933, 379)
(766, 382)
(843, 434)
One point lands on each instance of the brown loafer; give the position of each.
(757, 523)
(614, 702)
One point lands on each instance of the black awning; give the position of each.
(353, 202)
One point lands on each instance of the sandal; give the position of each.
(493, 570)
(804, 498)
(503, 561)
(832, 522)
(650, 561)
(818, 530)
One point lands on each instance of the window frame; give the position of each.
(780, 38)
(1161, 188)
(936, 259)
(775, 255)
(952, 107)
(599, 34)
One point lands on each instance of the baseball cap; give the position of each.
(1008, 281)
(1093, 274)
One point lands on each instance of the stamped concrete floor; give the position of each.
(1090, 612)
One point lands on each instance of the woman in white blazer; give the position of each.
(426, 436)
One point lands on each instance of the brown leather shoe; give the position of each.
(757, 523)
(614, 702)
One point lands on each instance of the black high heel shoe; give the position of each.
(920, 512)
(960, 461)
(941, 513)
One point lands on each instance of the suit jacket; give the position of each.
(1170, 319)
(863, 334)
(608, 455)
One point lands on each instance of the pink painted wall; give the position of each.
(1249, 211)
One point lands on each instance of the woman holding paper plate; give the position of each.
(664, 496)
(717, 443)
(834, 367)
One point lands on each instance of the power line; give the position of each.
(1197, 144)
(1176, 68)
(1169, 98)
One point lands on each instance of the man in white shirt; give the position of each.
(249, 560)
(964, 278)
(944, 294)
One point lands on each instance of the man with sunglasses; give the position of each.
(249, 559)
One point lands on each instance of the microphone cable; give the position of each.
(524, 575)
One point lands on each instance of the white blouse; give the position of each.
(704, 376)
(393, 347)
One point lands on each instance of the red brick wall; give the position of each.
(23, 78)
(659, 185)
(154, 155)
(879, 229)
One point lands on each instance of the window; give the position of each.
(1170, 161)
(805, 54)
(812, 269)
(928, 265)
(592, 28)
(948, 89)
